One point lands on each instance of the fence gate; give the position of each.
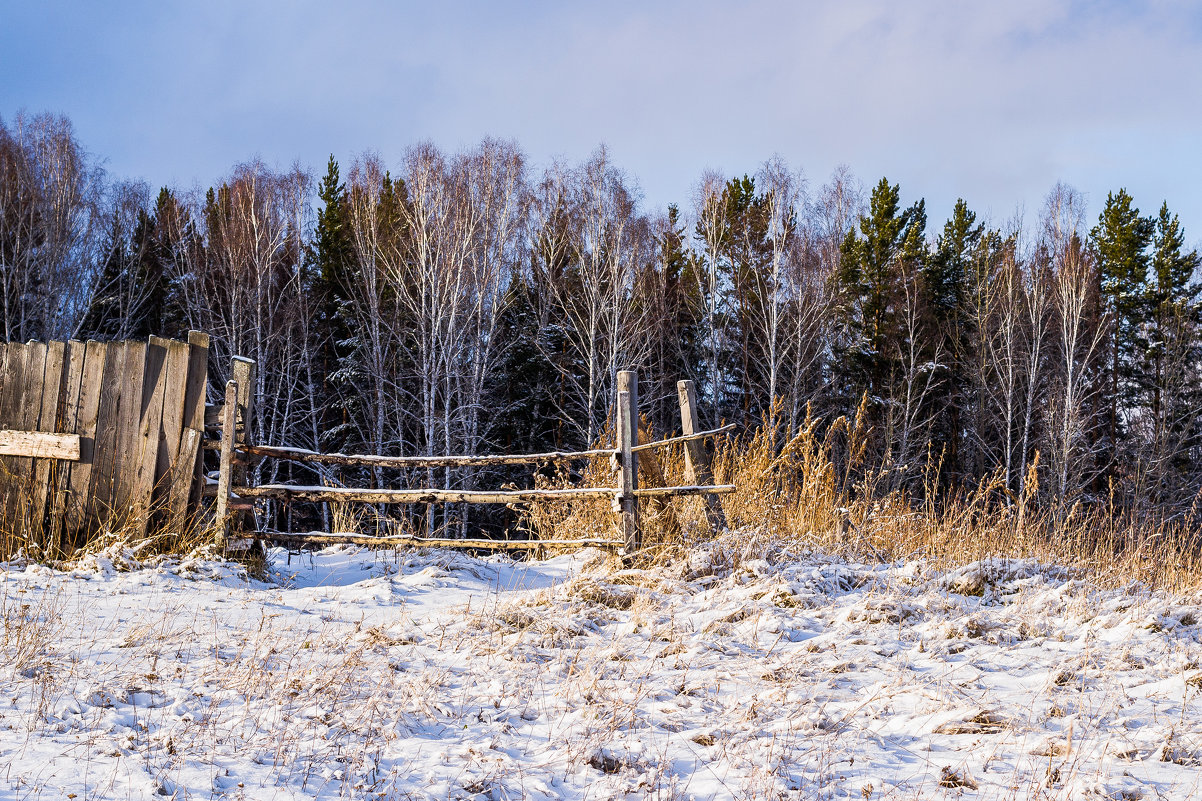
(98, 436)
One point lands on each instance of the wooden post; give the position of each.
(228, 426)
(628, 436)
(243, 373)
(696, 461)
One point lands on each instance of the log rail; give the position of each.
(235, 449)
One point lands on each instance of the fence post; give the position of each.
(225, 473)
(628, 437)
(243, 371)
(696, 461)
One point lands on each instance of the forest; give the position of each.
(466, 303)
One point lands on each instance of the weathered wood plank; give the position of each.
(143, 461)
(45, 469)
(175, 388)
(21, 509)
(244, 371)
(107, 439)
(129, 433)
(183, 481)
(194, 420)
(39, 445)
(14, 362)
(67, 418)
(97, 356)
(6, 384)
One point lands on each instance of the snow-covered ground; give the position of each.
(436, 675)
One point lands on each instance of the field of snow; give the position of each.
(437, 675)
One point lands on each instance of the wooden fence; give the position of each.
(100, 435)
(234, 496)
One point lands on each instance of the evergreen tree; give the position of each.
(1172, 353)
(1121, 240)
(870, 276)
(668, 296)
(328, 267)
(747, 253)
(945, 279)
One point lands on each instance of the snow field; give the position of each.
(437, 675)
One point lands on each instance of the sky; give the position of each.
(993, 102)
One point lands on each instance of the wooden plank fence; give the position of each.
(102, 436)
(96, 436)
(234, 495)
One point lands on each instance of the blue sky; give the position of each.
(994, 102)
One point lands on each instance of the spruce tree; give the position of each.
(1173, 349)
(328, 271)
(945, 278)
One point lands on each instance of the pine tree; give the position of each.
(747, 253)
(945, 279)
(869, 280)
(1173, 348)
(1121, 240)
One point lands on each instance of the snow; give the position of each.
(760, 674)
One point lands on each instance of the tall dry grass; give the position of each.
(28, 532)
(813, 488)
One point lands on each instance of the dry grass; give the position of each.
(25, 532)
(815, 490)
(810, 487)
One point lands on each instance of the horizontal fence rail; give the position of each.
(235, 496)
(313, 457)
(401, 541)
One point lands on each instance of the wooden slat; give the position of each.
(175, 389)
(97, 356)
(185, 504)
(12, 370)
(21, 510)
(183, 481)
(6, 385)
(67, 419)
(129, 433)
(143, 459)
(39, 445)
(44, 469)
(107, 437)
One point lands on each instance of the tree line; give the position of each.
(466, 303)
